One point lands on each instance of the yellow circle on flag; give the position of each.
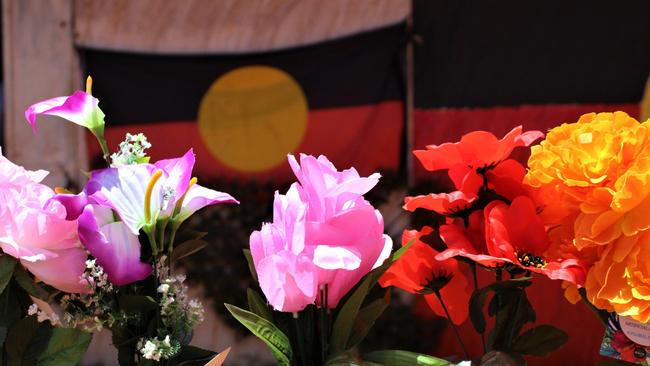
(252, 117)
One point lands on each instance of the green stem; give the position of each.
(172, 238)
(102, 143)
(152, 241)
(473, 267)
(453, 326)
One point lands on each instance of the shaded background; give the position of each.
(362, 82)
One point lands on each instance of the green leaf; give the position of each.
(258, 306)
(342, 329)
(66, 347)
(7, 265)
(540, 341)
(188, 248)
(345, 319)
(27, 283)
(478, 298)
(514, 312)
(366, 318)
(267, 332)
(26, 339)
(404, 358)
(251, 264)
(137, 303)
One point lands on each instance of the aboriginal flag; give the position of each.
(244, 113)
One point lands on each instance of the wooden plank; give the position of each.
(226, 26)
(40, 62)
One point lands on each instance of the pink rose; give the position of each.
(34, 229)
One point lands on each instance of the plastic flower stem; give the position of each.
(499, 275)
(300, 340)
(152, 241)
(324, 322)
(473, 267)
(453, 326)
(172, 238)
(102, 143)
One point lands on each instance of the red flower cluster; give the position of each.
(492, 217)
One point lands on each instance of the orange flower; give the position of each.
(418, 272)
(593, 178)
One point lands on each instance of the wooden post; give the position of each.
(40, 62)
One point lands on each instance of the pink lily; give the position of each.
(80, 108)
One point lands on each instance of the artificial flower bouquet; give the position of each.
(577, 213)
(72, 264)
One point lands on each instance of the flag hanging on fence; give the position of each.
(244, 113)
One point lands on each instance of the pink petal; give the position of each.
(63, 272)
(117, 249)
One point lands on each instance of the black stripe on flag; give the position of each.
(510, 52)
(140, 88)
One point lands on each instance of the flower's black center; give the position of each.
(531, 260)
(437, 283)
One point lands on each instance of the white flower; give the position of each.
(150, 351)
(163, 288)
(90, 263)
(33, 309)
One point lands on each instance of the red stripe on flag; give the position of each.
(366, 137)
(437, 126)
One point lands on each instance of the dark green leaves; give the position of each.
(66, 347)
(188, 248)
(28, 284)
(540, 341)
(7, 265)
(346, 317)
(251, 264)
(258, 306)
(26, 339)
(274, 338)
(479, 297)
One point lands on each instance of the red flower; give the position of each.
(516, 234)
(478, 149)
(448, 203)
(418, 272)
(506, 179)
(468, 242)
(442, 203)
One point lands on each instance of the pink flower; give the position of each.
(324, 233)
(35, 230)
(286, 274)
(80, 108)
